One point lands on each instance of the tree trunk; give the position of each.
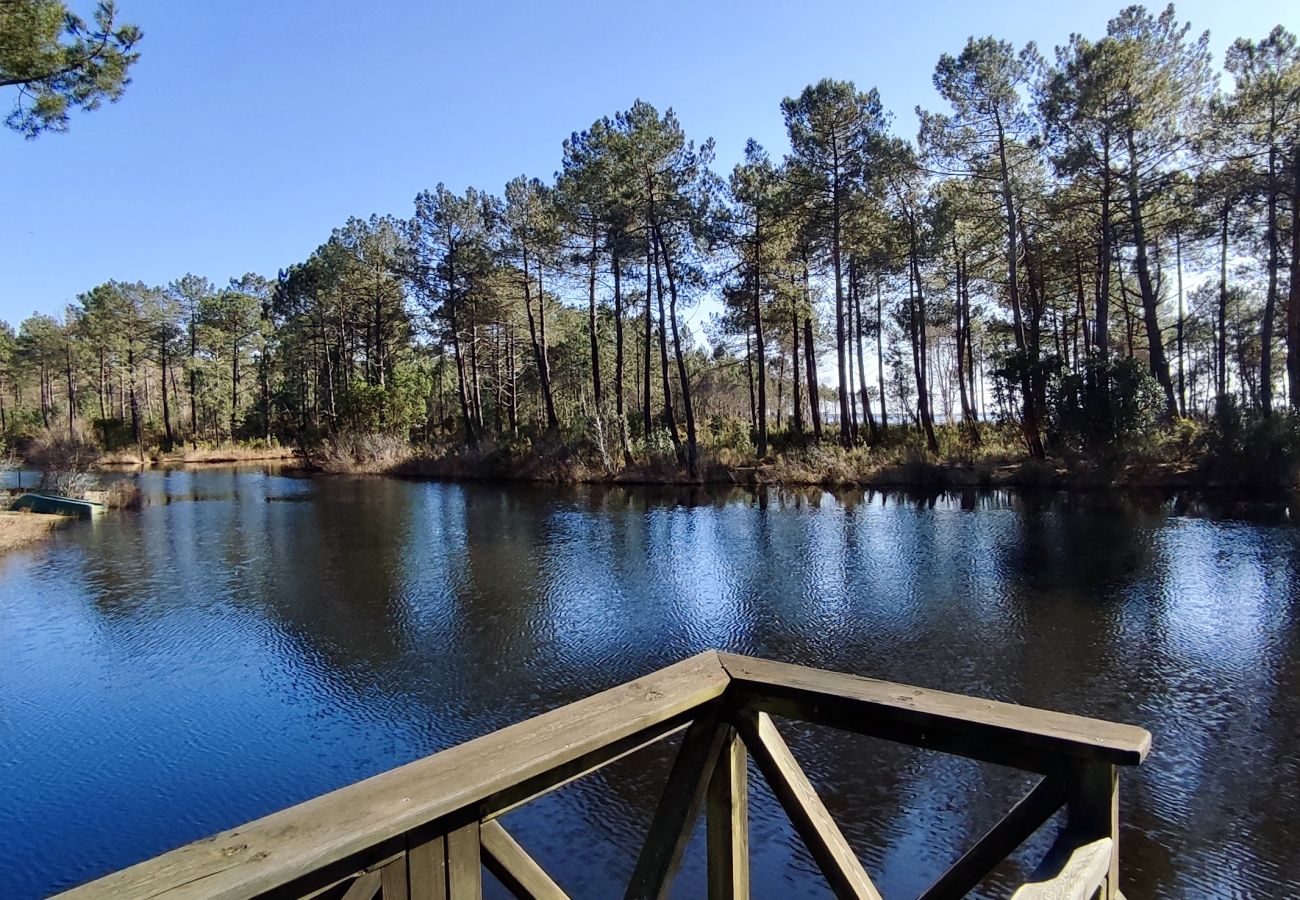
(796, 415)
(669, 417)
(596, 392)
(761, 354)
(1293, 292)
(810, 357)
(1150, 311)
(1029, 419)
(167, 416)
(1182, 374)
(1221, 367)
(1270, 299)
(880, 359)
(537, 337)
(619, 410)
(919, 350)
(846, 437)
(194, 378)
(462, 383)
(103, 408)
(749, 382)
(234, 387)
(1101, 317)
(648, 423)
(855, 313)
(692, 443)
(135, 403)
(72, 389)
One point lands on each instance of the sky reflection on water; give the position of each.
(249, 640)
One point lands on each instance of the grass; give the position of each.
(19, 529)
(118, 495)
(214, 455)
(903, 462)
(1231, 453)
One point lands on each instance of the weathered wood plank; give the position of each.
(812, 821)
(1026, 817)
(464, 863)
(984, 729)
(727, 817)
(364, 888)
(315, 843)
(514, 868)
(678, 808)
(392, 878)
(351, 876)
(516, 795)
(426, 866)
(1093, 813)
(1075, 873)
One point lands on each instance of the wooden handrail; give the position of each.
(425, 829)
(328, 837)
(1005, 733)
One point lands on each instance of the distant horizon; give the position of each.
(222, 167)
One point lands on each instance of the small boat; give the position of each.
(53, 504)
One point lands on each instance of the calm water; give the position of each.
(248, 641)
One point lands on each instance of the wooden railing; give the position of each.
(427, 829)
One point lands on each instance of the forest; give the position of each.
(1087, 257)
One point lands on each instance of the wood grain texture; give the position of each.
(392, 879)
(1026, 817)
(969, 725)
(514, 868)
(808, 815)
(1076, 874)
(678, 808)
(464, 863)
(364, 888)
(426, 866)
(727, 818)
(415, 831)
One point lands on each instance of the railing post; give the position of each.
(1093, 812)
(464, 863)
(728, 822)
(426, 861)
(393, 880)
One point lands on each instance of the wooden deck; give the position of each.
(425, 830)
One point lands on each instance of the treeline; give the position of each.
(1088, 247)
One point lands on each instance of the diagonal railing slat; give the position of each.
(1026, 817)
(825, 841)
(677, 810)
(514, 868)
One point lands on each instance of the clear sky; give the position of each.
(253, 128)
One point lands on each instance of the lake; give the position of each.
(249, 640)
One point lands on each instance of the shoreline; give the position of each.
(23, 529)
(834, 472)
(217, 456)
(924, 476)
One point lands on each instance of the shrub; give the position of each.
(113, 434)
(355, 452)
(121, 494)
(67, 464)
(1110, 409)
(1250, 449)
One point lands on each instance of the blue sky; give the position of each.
(254, 128)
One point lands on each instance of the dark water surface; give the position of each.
(261, 639)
